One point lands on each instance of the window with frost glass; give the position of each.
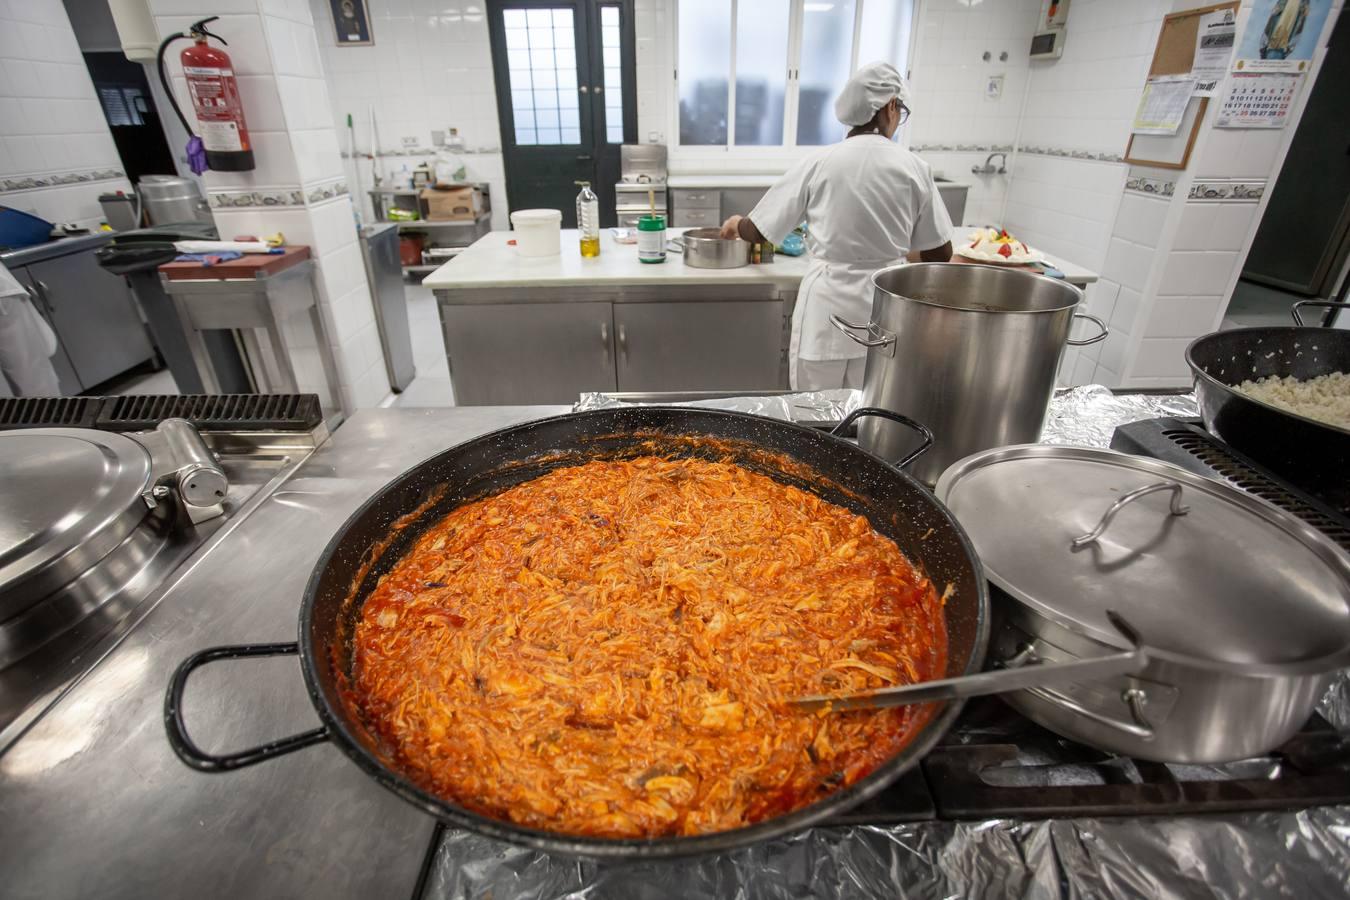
(761, 70)
(542, 66)
(704, 70)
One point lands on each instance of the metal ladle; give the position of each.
(998, 681)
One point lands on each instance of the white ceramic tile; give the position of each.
(1112, 355)
(1162, 358)
(1128, 264)
(1101, 298)
(1231, 226)
(334, 226)
(1126, 310)
(262, 104)
(1214, 272)
(1181, 273)
(1196, 226)
(1140, 219)
(1182, 317)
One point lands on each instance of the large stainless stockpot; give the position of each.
(969, 350)
(1243, 609)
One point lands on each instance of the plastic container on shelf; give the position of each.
(538, 231)
(652, 239)
(588, 220)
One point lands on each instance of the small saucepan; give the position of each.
(705, 248)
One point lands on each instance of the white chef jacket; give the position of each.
(26, 343)
(867, 202)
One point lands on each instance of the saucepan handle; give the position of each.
(196, 757)
(875, 336)
(864, 411)
(1297, 309)
(997, 681)
(1099, 336)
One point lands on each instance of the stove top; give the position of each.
(995, 763)
(47, 643)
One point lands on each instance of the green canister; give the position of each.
(651, 241)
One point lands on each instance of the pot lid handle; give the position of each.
(1177, 510)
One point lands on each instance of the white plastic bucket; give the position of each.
(538, 231)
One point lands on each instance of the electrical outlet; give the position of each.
(993, 87)
(409, 142)
(437, 138)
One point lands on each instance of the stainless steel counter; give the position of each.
(94, 803)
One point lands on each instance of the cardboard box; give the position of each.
(458, 204)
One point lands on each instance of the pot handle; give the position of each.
(864, 411)
(1177, 510)
(1101, 336)
(1134, 698)
(1297, 309)
(187, 749)
(875, 336)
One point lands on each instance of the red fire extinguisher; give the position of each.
(215, 100)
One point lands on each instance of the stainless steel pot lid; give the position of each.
(1206, 573)
(70, 496)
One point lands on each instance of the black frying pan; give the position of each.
(1313, 455)
(362, 550)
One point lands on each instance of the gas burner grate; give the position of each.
(1253, 482)
(219, 412)
(1185, 443)
(209, 412)
(48, 412)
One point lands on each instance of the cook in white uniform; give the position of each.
(867, 203)
(26, 344)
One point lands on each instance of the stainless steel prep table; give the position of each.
(94, 803)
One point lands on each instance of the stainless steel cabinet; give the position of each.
(704, 346)
(520, 353)
(93, 315)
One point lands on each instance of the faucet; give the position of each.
(988, 167)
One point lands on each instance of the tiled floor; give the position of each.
(431, 386)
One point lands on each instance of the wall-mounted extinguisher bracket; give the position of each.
(221, 134)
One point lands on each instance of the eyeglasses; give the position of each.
(904, 114)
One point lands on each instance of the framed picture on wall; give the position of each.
(351, 23)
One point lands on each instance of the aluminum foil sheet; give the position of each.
(807, 407)
(1087, 416)
(1302, 855)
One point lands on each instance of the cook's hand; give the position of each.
(731, 228)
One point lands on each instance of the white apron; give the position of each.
(842, 289)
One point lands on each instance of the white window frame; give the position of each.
(789, 145)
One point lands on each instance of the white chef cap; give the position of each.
(870, 88)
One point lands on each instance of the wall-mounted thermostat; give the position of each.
(1048, 44)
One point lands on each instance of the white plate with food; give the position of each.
(996, 246)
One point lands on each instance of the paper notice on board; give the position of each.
(1163, 104)
(1214, 41)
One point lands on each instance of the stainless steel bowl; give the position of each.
(705, 248)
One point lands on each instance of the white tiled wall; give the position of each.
(948, 72)
(274, 46)
(429, 69)
(51, 123)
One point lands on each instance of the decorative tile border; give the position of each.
(1156, 187)
(1061, 152)
(56, 179)
(1249, 191)
(1067, 153)
(272, 197)
(961, 148)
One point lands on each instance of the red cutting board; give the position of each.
(250, 265)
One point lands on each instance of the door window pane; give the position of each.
(827, 44)
(761, 70)
(705, 70)
(543, 78)
(611, 49)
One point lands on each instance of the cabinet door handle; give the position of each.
(46, 293)
(623, 342)
(604, 339)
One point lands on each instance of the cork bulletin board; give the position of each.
(1174, 54)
